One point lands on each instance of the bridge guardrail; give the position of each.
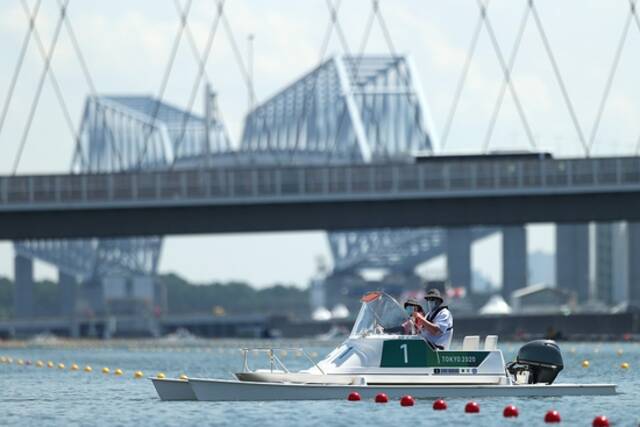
(246, 182)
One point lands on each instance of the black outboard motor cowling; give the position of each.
(541, 359)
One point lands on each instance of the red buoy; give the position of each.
(381, 398)
(354, 396)
(472, 408)
(600, 421)
(552, 417)
(439, 405)
(407, 401)
(510, 411)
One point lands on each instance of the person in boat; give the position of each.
(437, 325)
(411, 306)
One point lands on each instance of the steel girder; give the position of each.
(139, 132)
(348, 109)
(351, 110)
(73, 257)
(122, 133)
(87, 258)
(390, 249)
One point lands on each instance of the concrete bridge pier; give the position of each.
(633, 229)
(514, 259)
(68, 294)
(23, 292)
(459, 241)
(572, 259)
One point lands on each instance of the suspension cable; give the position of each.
(186, 115)
(43, 75)
(50, 73)
(90, 82)
(238, 55)
(353, 71)
(636, 19)
(165, 81)
(323, 50)
(503, 89)
(248, 78)
(333, 11)
(192, 42)
(21, 56)
(610, 78)
(556, 70)
(507, 77)
(375, 10)
(461, 82)
(383, 26)
(76, 47)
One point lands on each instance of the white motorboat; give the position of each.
(381, 357)
(173, 389)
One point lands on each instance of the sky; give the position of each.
(127, 44)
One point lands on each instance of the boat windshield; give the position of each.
(379, 314)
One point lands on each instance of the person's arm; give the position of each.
(431, 327)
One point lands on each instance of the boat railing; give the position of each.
(274, 360)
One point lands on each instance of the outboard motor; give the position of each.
(538, 361)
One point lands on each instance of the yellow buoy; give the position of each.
(585, 363)
(20, 362)
(10, 360)
(161, 376)
(283, 353)
(39, 364)
(183, 377)
(619, 352)
(117, 372)
(74, 367)
(138, 374)
(105, 370)
(60, 365)
(49, 364)
(624, 365)
(88, 368)
(3, 359)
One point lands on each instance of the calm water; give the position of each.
(44, 396)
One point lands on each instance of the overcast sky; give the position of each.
(127, 45)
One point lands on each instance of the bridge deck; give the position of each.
(320, 197)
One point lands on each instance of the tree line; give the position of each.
(183, 297)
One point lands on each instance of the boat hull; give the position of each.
(173, 389)
(233, 390)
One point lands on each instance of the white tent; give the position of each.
(495, 305)
(340, 311)
(321, 314)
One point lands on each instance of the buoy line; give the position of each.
(73, 367)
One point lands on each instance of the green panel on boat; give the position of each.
(417, 354)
